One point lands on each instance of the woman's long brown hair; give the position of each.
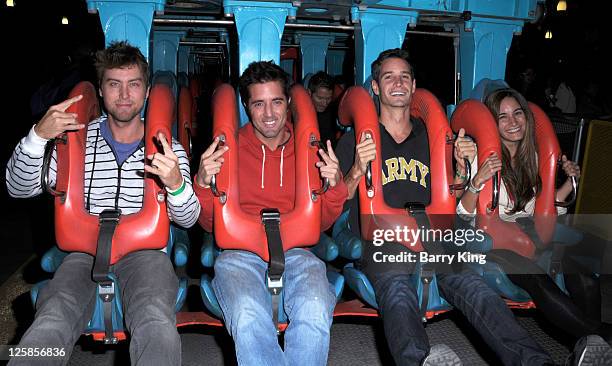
(522, 181)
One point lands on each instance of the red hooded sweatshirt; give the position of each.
(267, 179)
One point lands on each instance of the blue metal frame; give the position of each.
(127, 20)
(260, 27)
(486, 34)
(380, 29)
(484, 46)
(183, 58)
(313, 48)
(165, 50)
(335, 61)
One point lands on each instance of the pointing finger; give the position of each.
(67, 103)
(211, 148)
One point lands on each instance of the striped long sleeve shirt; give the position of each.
(106, 184)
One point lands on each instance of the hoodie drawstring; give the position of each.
(281, 165)
(263, 166)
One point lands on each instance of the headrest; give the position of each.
(166, 77)
(485, 87)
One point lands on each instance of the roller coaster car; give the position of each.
(52, 259)
(540, 232)
(148, 228)
(357, 107)
(236, 229)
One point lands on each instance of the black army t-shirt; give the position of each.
(405, 168)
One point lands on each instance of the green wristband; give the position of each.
(178, 191)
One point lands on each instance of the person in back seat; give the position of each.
(405, 138)
(321, 90)
(114, 168)
(267, 180)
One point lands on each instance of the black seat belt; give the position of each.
(108, 219)
(270, 217)
(417, 210)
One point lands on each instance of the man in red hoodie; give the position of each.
(267, 172)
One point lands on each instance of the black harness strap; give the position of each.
(270, 217)
(109, 219)
(558, 251)
(417, 210)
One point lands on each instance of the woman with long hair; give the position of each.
(576, 314)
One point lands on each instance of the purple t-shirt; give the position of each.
(122, 151)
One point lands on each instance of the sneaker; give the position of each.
(441, 355)
(592, 351)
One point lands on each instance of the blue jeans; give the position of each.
(309, 302)
(148, 291)
(399, 306)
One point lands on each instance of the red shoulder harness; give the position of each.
(235, 229)
(356, 106)
(76, 230)
(479, 123)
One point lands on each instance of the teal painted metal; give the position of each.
(517, 9)
(224, 37)
(287, 65)
(485, 35)
(313, 48)
(335, 61)
(483, 50)
(129, 20)
(379, 30)
(192, 62)
(183, 58)
(165, 50)
(260, 27)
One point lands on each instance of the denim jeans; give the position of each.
(399, 306)
(309, 302)
(148, 290)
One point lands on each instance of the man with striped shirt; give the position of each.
(114, 167)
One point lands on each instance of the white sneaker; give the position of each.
(441, 355)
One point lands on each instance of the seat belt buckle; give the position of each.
(110, 215)
(270, 215)
(427, 277)
(106, 290)
(275, 286)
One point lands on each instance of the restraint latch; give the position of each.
(270, 217)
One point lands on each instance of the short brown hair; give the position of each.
(392, 53)
(118, 55)
(262, 72)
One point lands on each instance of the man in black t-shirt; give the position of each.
(405, 164)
